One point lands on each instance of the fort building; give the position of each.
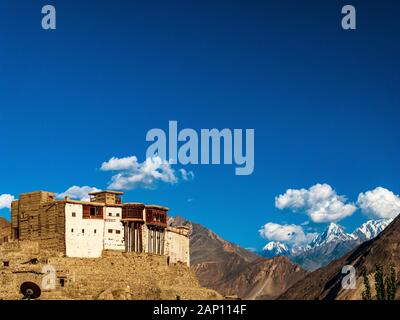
(83, 229)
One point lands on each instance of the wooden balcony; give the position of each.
(133, 212)
(156, 216)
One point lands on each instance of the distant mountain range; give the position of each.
(327, 246)
(326, 283)
(232, 270)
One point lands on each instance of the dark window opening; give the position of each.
(74, 214)
(6, 263)
(83, 231)
(117, 231)
(92, 211)
(95, 231)
(109, 230)
(62, 282)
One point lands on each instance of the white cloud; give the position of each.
(120, 164)
(379, 203)
(5, 201)
(76, 192)
(186, 175)
(321, 203)
(134, 174)
(288, 233)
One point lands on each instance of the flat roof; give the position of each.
(106, 191)
(156, 206)
(36, 192)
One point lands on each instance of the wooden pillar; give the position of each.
(133, 237)
(140, 238)
(126, 237)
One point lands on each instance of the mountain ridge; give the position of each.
(332, 243)
(325, 283)
(232, 270)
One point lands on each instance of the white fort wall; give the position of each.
(113, 229)
(177, 245)
(83, 237)
(86, 238)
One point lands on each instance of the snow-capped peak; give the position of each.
(275, 248)
(333, 233)
(276, 245)
(371, 229)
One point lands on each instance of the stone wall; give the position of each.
(116, 275)
(37, 216)
(5, 230)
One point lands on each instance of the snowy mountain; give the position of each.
(333, 233)
(274, 249)
(327, 246)
(371, 229)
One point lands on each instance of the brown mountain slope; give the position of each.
(5, 229)
(232, 270)
(325, 283)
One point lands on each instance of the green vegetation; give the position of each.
(385, 286)
(367, 291)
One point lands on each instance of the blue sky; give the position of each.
(324, 102)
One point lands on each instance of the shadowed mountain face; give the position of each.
(326, 283)
(232, 270)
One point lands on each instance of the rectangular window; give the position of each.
(110, 214)
(117, 231)
(83, 231)
(72, 230)
(92, 211)
(6, 263)
(74, 214)
(117, 214)
(109, 230)
(95, 231)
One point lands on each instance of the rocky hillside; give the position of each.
(325, 283)
(232, 270)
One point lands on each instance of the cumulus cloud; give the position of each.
(126, 163)
(379, 203)
(134, 174)
(288, 233)
(5, 201)
(321, 203)
(80, 193)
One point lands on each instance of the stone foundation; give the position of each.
(116, 275)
